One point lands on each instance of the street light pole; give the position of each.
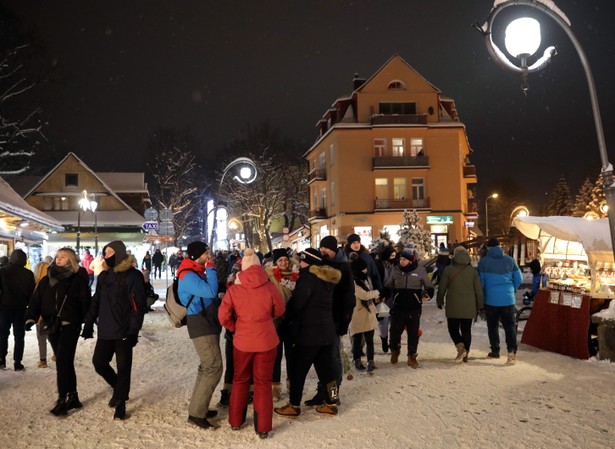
(549, 8)
(246, 175)
(494, 195)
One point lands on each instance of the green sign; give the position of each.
(439, 219)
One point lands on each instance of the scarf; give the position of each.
(57, 273)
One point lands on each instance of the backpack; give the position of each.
(176, 311)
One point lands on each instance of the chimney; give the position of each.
(357, 82)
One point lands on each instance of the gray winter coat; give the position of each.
(462, 289)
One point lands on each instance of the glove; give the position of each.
(29, 324)
(132, 340)
(482, 314)
(88, 332)
(440, 306)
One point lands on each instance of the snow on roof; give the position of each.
(12, 203)
(124, 181)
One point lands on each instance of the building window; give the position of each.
(398, 147)
(332, 193)
(323, 198)
(396, 85)
(331, 155)
(399, 188)
(397, 108)
(59, 203)
(382, 188)
(418, 188)
(416, 147)
(322, 160)
(380, 147)
(315, 199)
(71, 180)
(47, 203)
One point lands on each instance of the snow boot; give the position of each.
(412, 362)
(199, 422)
(461, 353)
(394, 356)
(371, 366)
(60, 408)
(72, 401)
(512, 358)
(120, 410)
(358, 365)
(225, 398)
(42, 363)
(385, 344)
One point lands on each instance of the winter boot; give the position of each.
(276, 391)
(493, 355)
(394, 356)
(512, 358)
(358, 365)
(225, 398)
(199, 422)
(412, 362)
(385, 344)
(72, 401)
(18, 366)
(329, 409)
(289, 410)
(42, 363)
(371, 366)
(461, 353)
(60, 408)
(318, 399)
(120, 410)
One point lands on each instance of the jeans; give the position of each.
(42, 341)
(505, 314)
(12, 318)
(64, 345)
(209, 373)
(103, 353)
(460, 330)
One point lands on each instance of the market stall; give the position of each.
(578, 257)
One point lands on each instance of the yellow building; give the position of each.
(395, 143)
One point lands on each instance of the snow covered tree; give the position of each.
(173, 181)
(583, 199)
(381, 242)
(598, 198)
(560, 202)
(411, 233)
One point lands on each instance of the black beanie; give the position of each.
(353, 238)
(196, 249)
(492, 242)
(329, 242)
(311, 256)
(279, 252)
(357, 264)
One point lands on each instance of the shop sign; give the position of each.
(439, 219)
(469, 224)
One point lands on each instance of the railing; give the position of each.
(394, 119)
(402, 204)
(318, 213)
(318, 174)
(472, 207)
(469, 171)
(401, 161)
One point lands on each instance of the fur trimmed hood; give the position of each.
(124, 265)
(326, 273)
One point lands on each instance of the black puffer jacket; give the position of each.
(16, 282)
(47, 300)
(119, 302)
(309, 313)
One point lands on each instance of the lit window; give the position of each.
(416, 147)
(398, 147)
(380, 147)
(399, 188)
(382, 188)
(418, 188)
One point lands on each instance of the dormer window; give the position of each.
(396, 85)
(71, 180)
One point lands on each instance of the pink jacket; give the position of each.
(248, 309)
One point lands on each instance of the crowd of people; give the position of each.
(278, 308)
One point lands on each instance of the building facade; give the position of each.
(394, 144)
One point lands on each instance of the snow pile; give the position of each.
(545, 401)
(607, 314)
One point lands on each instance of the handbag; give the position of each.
(53, 327)
(382, 310)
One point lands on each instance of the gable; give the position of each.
(396, 69)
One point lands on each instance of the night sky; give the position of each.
(127, 67)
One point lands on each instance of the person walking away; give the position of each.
(198, 292)
(461, 292)
(310, 317)
(16, 287)
(173, 264)
(86, 261)
(146, 263)
(500, 277)
(442, 261)
(387, 259)
(285, 279)
(62, 295)
(410, 286)
(117, 308)
(40, 271)
(248, 310)
(157, 260)
(364, 322)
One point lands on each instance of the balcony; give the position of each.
(399, 119)
(469, 171)
(317, 214)
(472, 206)
(400, 161)
(318, 174)
(383, 204)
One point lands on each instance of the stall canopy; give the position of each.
(569, 238)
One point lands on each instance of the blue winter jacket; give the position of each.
(202, 314)
(500, 277)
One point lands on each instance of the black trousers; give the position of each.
(357, 345)
(64, 345)
(303, 359)
(14, 318)
(409, 320)
(460, 330)
(103, 353)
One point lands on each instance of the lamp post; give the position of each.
(522, 40)
(494, 195)
(246, 174)
(519, 211)
(87, 203)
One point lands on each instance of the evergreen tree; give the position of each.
(412, 234)
(380, 243)
(560, 203)
(598, 198)
(583, 199)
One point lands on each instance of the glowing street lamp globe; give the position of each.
(522, 38)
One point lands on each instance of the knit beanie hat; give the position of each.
(459, 249)
(279, 252)
(329, 242)
(196, 250)
(408, 254)
(357, 264)
(249, 258)
(311, 256)
(353, 238)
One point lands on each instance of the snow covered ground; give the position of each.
(545, 401)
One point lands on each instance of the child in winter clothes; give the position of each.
(364, 320)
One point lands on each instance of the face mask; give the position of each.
(110, 261)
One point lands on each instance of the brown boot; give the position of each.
(461, 353)
(289, 410)
(412, 363)
(394, 357)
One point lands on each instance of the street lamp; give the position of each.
(494, 195)
(87, 203)
(246, 174)
(530, 34)
(519, 211)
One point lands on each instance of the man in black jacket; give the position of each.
(17, 285)
(118, 304)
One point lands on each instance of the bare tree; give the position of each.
(173, 181)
